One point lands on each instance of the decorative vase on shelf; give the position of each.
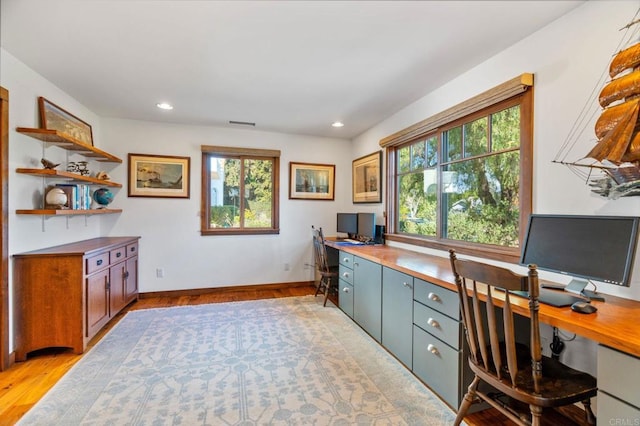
(55, 199)
(103, 197)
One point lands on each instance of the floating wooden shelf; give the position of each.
(56, 212)
(65, 141)
(59, 174)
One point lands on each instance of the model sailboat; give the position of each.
(617, 129)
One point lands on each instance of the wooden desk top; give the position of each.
(615, 324)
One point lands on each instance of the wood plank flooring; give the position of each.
(25, 383)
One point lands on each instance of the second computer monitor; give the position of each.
(367, 225)
(347, 223)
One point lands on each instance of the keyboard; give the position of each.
(350, 241)
(553, 297)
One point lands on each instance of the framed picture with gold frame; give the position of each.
(367, 178)
(308, 181)
(162, 176)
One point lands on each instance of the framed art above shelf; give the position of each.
(64, 141)
(59, 174)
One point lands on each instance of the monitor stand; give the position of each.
(578, 287)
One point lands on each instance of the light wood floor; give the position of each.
(25, 383)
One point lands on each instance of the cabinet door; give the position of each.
(397, 314)
(367, 296)
(131, 280)
(97, 307)
(117, 297)
(345, 299)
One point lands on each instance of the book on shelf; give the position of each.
(78, 196)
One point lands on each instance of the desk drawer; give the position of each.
(346, 259)
(612, 411)
(438, 365)
(346, 274)
(437, 324)
(619, 375)
(95, 263)
(436, 297)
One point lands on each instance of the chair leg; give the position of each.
(589, 417)
(468, 399)
(536, 415)
(327, 285)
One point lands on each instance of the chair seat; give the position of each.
(560, 384)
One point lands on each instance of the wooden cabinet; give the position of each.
(61, 140)
(367, 296)
(66, 294)
(397, 314)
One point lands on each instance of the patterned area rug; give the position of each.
(279, 361)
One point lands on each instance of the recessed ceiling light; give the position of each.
(337, 124)
(164, 105)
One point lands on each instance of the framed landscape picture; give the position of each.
(52, 117)
(311, 181)
(367, 178)
(158, 176)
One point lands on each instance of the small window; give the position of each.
(239, 191)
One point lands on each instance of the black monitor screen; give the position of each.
(601, 248)
(348, 223)
(367, 225)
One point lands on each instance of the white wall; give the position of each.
(567, 57)
(170, 227)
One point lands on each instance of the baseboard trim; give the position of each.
(212, 290)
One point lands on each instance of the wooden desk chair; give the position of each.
(328, 275)
(515, 371)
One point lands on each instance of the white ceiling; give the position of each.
(288, 66)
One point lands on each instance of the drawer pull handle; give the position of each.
(345, 260)
(431, 348)
(118, 254)
(434, 297)
(345, 274)
(346, 289)
(133, 249)
(433, 323)
(99, 262)
(407, 285)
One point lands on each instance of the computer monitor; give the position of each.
(348, 223)
(367, 225)
(599, 248)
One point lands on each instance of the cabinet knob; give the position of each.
(346, 289)
(345, 260)
(431, 348)
(434, 297)
(345, 274)
(407, 285)
(433, 323)
(118, 254)
(133, 249)
(99, 262)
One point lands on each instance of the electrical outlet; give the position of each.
(546, 350)
(160, 272)
(287, 267)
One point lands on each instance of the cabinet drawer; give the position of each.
(619, 374)
(437, 365)
(345, 298)
(436, 297)
(132, 250)
(346, 274)
(437, 324)
(118, 254)
(612, 411)
(95, 263)
(346, 259)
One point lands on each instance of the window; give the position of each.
(462, 179)
(239, 191)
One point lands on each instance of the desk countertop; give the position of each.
(615, 324)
